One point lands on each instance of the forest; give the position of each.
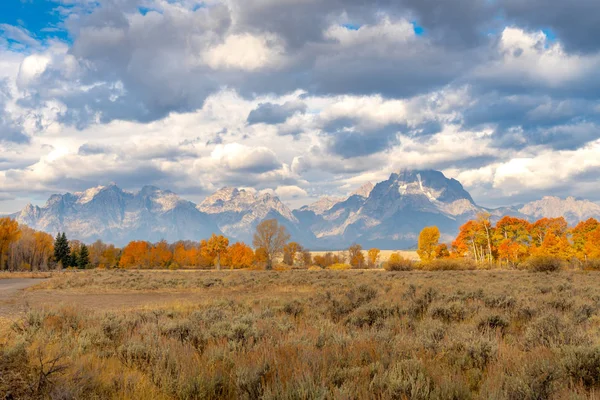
(509, 242)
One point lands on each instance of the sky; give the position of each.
(302, 97)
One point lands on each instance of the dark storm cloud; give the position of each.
(272, 114)
(523, 120)
(361, 142)
(575, 23)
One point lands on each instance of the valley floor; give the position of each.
(302, 335)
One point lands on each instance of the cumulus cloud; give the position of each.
(237, 157)
(290, 192)
(303, 97)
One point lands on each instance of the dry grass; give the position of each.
(310, 335)
(25, 275)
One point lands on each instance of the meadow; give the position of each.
(356, 334)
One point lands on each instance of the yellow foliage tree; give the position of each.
(216, 247)
(428, 243)
(373, 257)
(9, 233)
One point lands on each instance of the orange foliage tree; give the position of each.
(240, 255)
(135, 254)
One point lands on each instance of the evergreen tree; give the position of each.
(83, 261)
(62, 252)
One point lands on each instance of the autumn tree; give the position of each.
(240, 255)
(306, 258)
(160, 255)
(548, 226)
(428, 243)
(135, 254)
(216, 247)
(290, 251)
(356, 256)
(373, 257)
(32, 251)
(592, 244)
(271, 237)
(581, 235)
(9, 233)
(512, 239)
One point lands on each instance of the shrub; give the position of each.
(449, 264)
(592, 264)
(453, 312)
(543, 264)
(339, 267)
(536, 381)
(551, 330)
(582, 364)
(493, 322)
(398, 263)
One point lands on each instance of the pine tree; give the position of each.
(83, 261)
(62, 252)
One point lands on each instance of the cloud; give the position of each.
(241, 158)
(301, 94)
(244, 52)
(290, 192)
(269, 113)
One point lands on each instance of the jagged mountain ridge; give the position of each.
(389, 214)
(237, 212)
(113, 215)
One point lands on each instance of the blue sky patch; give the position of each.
(352, 27)
(418, 29)
(41, 18)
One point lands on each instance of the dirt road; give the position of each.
(10, 292)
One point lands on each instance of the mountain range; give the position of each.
(388, 215)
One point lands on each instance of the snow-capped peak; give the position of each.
(88, 195)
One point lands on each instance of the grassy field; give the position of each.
(304, 335)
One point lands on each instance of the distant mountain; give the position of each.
(113, 215)
(237, 212)
(392, 213)
(552, 207)
(389, 214)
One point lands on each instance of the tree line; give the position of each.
(511, 241)
(508, 242)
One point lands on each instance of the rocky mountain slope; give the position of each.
(113, 215)
(237, 212)
(389, 214)
(572, 209)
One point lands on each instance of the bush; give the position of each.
(582, 364)
(543, 264)
(450, 264)
(593, 264)
(398, 263)
(339, 267)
